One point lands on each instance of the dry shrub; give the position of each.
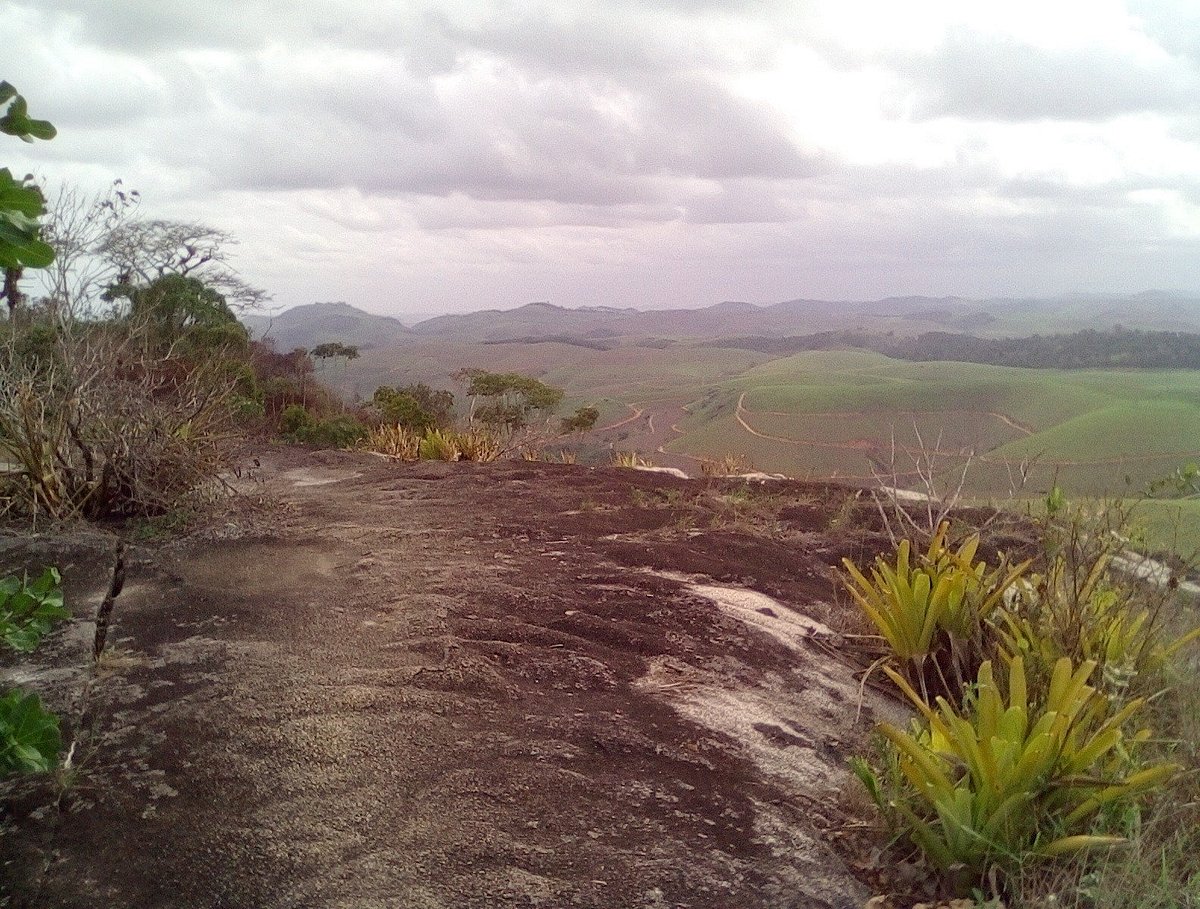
(479, 445)
(726, 466)
(630, 459)
(96, 423)
(395, 441)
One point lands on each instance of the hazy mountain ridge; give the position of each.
(306, 326)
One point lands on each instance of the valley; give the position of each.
(790, 389)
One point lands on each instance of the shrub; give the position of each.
(394, 441)
(294, 420)
(997, 772)
(336, 432)
(296, 424)
(109, 426)
(438, 446)
(29, 735)
(1011, 775)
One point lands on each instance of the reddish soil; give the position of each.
(373, 684)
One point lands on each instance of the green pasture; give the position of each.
(1094, 432)
(952, 431)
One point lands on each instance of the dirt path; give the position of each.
(449, 685)
(637, 412)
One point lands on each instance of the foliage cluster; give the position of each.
(29, 734)
(298, 424)
(509, 398)
(21, 202)
(1045, 757)
(125, 412)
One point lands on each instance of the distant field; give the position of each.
(1094, 431)
(836, 414)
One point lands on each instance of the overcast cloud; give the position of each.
(413, 157)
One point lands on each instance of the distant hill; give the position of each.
(905, 316)
(316, 323)
(606, 326)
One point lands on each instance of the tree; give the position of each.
(511, 397)
(415, 406)
(335, 349)
(21, 204)
(174, 307)
(77, 225)
(401, 409)
(583, 420)
(140, 251)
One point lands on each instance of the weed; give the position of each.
(479, 445)
(729, 465)
(630, 459)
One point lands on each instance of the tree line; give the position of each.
(1120, 348)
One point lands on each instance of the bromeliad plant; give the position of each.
(1029, 763)
(1010, 774)
(1078, 609)
(933, 610)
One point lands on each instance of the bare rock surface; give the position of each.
(444, 686)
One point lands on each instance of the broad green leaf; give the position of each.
(29, 735)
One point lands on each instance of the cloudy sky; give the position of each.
(418, 157)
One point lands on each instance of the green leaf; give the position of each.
(17, 121)
(29, 735)
(20, 195)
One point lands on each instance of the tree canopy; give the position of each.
(511, 398)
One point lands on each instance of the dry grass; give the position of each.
(397, 442)
(479, 445)
(727, 466)
(630, 459)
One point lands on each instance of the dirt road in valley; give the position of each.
(444, 686)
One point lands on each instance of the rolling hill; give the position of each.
(317, 323)
(903, 316)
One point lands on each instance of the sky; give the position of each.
(413, 157)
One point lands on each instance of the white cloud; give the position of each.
(469, 154)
